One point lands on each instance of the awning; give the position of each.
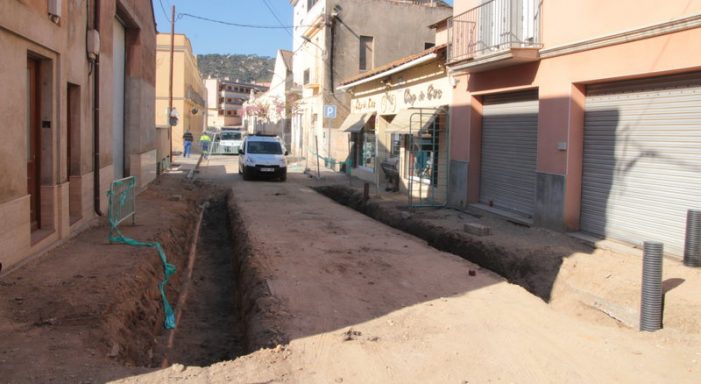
(355, 122)
(413, 120)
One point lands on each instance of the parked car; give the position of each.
(263, 155)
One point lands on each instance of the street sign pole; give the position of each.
(329, 114)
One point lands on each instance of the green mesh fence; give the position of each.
(121, 198)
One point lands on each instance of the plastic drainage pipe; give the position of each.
(692, 245)
(651, 300)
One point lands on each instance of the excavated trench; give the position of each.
(215, 295)
(533, 270)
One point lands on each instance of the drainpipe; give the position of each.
(96, 117)
(334, 15)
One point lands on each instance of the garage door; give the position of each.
(642, 159)
(509, 141)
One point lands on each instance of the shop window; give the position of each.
(423, 156)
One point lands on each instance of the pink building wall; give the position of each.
(560, 80)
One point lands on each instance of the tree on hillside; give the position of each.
(245, 68)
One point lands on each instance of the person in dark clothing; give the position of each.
(187, 143)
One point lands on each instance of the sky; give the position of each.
(213, 37)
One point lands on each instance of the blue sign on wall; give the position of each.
(329, 111)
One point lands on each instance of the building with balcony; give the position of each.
(336, 39)
(188, 92)
(578, 116)
(77, 100)
(225, 100)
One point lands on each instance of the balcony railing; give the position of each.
(495, 26)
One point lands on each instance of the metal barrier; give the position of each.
(121, 201)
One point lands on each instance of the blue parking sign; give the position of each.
(329, 111)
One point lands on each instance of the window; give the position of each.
(265, 147)
(221, 100)
(306, 76)
(366, 59)
(395, 145)
(429, 45)
(310, 4)
(221, 112)
(228, 113)
(228, 100)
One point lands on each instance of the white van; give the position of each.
(229, 141)
(263, 155)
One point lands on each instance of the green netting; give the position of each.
(121, 195)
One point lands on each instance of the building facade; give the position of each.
(189, 91)
(579, 116)
(269, 112)
(225, 100)
(400, 118)
(77, 111)
(336, 39)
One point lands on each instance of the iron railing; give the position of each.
(495, 26)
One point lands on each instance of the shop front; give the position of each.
(398, 127)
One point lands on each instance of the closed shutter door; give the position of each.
(509, 141)
(642, 159)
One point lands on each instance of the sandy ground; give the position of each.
(361, 302)
(339, 297)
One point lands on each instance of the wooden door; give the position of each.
(33, 141)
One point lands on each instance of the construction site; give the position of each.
(310, 281)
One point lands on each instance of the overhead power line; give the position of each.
(164, 11)
(272, 12)
(256, 26)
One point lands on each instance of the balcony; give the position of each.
(495, 34)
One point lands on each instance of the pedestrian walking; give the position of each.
(187, 143)
(205, 140)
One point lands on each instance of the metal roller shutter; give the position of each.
(509, 143)
(642, 159)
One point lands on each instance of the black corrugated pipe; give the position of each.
(651, 300)
(692, 244)
(96, 117)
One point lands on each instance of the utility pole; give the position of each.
(170, 84)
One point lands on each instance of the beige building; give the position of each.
(225, 100)
(189, 91)
(71, 126)
(579, 116)
(336, 39)
(269, 112)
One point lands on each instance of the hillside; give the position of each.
(246, 68)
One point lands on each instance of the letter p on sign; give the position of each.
(329, 111)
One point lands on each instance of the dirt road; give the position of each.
(360, 302)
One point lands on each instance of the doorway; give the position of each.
(33, 143)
